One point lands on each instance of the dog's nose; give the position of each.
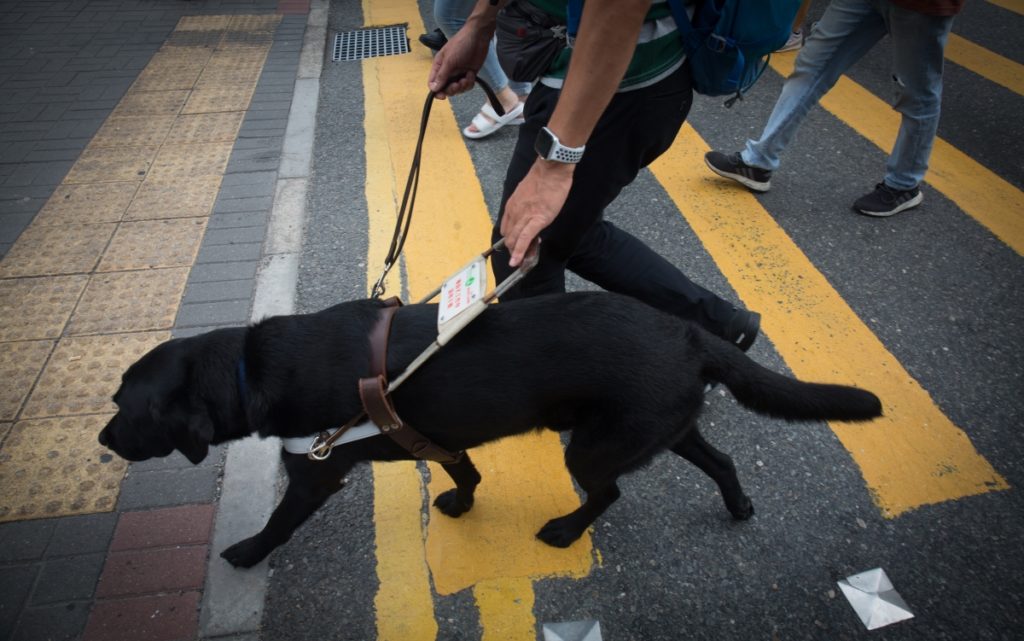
(104, 438)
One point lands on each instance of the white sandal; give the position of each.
(488, 121)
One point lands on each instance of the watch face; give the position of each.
(544, 143)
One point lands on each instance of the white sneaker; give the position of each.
(796, 40)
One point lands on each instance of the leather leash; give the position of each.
(404, 218)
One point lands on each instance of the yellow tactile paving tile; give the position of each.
(234, 97)
(45, 250)
(43, 306)
(87, 203)
(20, 364)
(84, 373)
(153, 243)
(106, 164)
(174, 198)
(157, 103)
(55, 466)
(209, 127)
(203, 23)
(187, 161)
(121, 131)
(167, 77)
(100, 273)
(129, 302)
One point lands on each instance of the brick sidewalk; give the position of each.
(138, 571)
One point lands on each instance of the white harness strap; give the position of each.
(303, 444)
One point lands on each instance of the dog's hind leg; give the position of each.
(720, 468)
(459, 499)
(310, 484)
(595, 466)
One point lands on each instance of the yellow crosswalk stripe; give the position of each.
(493, 546)
(978, 191)
(985, 63)
(914, 455)
(1017, 6)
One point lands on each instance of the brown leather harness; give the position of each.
(373, 392)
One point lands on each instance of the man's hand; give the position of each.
(460, 58)
(534, 204)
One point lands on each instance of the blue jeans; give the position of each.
(450, 15)
(847, 30)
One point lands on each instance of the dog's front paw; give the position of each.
(245, 554)
(741, 509)
(560, 532)
(450, 504)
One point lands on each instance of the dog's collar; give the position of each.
(303, 444)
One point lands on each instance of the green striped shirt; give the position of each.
(659, 49)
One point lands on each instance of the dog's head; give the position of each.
(157, 409)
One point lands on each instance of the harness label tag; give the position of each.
(460, 291)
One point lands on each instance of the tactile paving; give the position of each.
(20, 364)
(121, 131)
(220, 75)
(153, 243)
(174, 198)
(203, 23)
(253, 23)
(85, 371)
(34, 308)
(129, 302)
(56, 467)
(46, 250)
(169, 77)
(107, 164)
(187, 161)
(4, 429)
(199, 128)
(87, 203)
(158, 103)
(234, 97)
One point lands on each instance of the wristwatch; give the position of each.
(550, 147)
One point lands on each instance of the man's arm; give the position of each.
(604, 46)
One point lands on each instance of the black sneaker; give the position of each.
(886, 201)
(743, 328)
(732, 166)
(434, 40)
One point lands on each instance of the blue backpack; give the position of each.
(728, 41)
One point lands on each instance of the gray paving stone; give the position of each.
(68, 579)
(24, 540)
(15, 585)
(232, 205)
(168, 487)
(233, 252)
(234, 235)
(251, 189)
(249, 178)
(232, 312)
(223, 271)
(63, 622)
(81, 534)
(219, 291)
(242, 219)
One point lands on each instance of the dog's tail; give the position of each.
(770, 393)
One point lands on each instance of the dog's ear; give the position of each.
(194, 440)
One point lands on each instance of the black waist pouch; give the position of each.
(528, 40)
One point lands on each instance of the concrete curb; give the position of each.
(233, 599)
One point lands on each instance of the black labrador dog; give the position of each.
(624, 378)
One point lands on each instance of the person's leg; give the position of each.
(847, 30)
(636, 128)
(450, 16)
(918, 43)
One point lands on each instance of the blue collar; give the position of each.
(243, 388)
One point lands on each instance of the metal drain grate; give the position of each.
(371, 43)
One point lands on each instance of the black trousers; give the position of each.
(636, 128)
